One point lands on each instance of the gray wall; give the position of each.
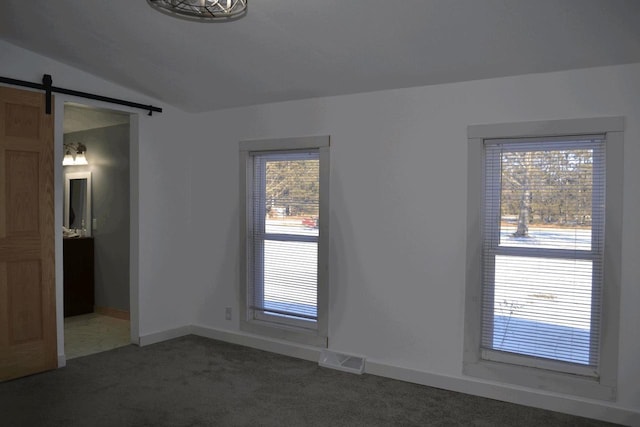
(108, 157)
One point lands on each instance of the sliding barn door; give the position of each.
(27, 277)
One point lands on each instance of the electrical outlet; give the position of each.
(227, 313)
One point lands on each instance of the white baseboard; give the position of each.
(236, 337)
(254, 341)
(62, 361)
(169, 334)
(513, 394)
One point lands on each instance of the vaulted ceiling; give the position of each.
(293, 49)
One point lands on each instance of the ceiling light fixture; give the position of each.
(202, 10)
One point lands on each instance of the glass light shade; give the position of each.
(202, 10)
(81, 159)
(68, 159)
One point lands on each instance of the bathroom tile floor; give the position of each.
(93, 333)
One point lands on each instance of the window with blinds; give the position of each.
(542, 254)
(284, 274)
(284, 237)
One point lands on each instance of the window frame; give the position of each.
(546, 376)
(308, 333)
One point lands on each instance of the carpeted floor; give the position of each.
(193, 381)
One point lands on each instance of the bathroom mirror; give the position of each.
(77, 202)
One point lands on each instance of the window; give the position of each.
(284, 248)
(542, 290)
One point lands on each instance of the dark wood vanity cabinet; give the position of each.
(78, 276)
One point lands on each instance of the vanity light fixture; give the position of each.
(81, 159)
(80, 150)
(202, 10)
(68, 159)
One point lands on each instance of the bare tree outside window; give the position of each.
(546, 188)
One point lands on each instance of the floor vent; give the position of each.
(342, 362)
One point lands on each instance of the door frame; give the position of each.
(134, 216)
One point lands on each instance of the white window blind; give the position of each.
(543, 245)
(283, 235)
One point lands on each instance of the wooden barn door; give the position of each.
(27, 276)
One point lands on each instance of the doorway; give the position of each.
(96, 234)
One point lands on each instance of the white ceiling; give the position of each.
(293, 49)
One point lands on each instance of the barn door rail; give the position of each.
(47, 86)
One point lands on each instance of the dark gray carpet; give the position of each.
(193, 381)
